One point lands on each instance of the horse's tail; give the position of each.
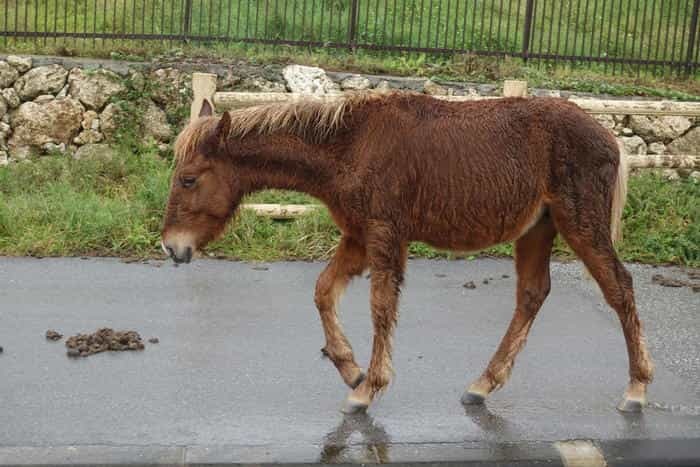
(619, 198)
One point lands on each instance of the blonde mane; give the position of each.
(190, 137)
(311, 118)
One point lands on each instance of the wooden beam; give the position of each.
(631, 107)
(666, 161)
(204, 86)
(238, 100)
(650, 161)
(281, 211)
(234, 100)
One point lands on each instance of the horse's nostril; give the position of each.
(171, 252)
(188, 255)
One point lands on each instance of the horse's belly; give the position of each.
(465, 241)
(478, 232)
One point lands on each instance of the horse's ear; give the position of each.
(224, 127)
(207, 110)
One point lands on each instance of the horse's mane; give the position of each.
(312, 119)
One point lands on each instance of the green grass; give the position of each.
(59, 206)
(646, 29)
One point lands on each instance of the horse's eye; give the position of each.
(187, 182)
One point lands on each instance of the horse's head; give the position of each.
(204, 191)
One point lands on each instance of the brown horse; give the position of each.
(396, 168)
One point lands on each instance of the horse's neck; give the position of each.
(288, 165)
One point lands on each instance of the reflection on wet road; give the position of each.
(373, 443)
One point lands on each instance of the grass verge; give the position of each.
(58, 206)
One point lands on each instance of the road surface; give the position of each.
(238, 376)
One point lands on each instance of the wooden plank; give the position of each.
(630, 107)
(666, 161)
(281, 211)
(234, 100)
(237, 100)
(649, 161)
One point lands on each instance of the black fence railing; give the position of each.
(617, 34)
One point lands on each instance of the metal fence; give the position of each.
(617, 34)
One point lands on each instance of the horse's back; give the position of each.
(457, 175)
(465, 175)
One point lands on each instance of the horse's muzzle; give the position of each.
(179, 255)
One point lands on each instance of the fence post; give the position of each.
(529, 7)
(188, 20)
(692, 37)
(203, 89)
(514, 88)
(352, 26)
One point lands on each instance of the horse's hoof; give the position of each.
(352, 406)
(360, 378)
(472, 398)
(631, 405)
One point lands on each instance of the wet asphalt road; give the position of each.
(238, 365)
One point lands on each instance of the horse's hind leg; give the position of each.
(532, 253)
(350, 260)
(597, 253)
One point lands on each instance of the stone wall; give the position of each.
(59, 105)
(47, 108)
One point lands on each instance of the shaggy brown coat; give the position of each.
(396, 168)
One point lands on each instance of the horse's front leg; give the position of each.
(350, 260)
(387, 260)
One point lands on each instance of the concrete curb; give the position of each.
(642, 453)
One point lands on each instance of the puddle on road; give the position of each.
(373, 448)
(678, 409)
